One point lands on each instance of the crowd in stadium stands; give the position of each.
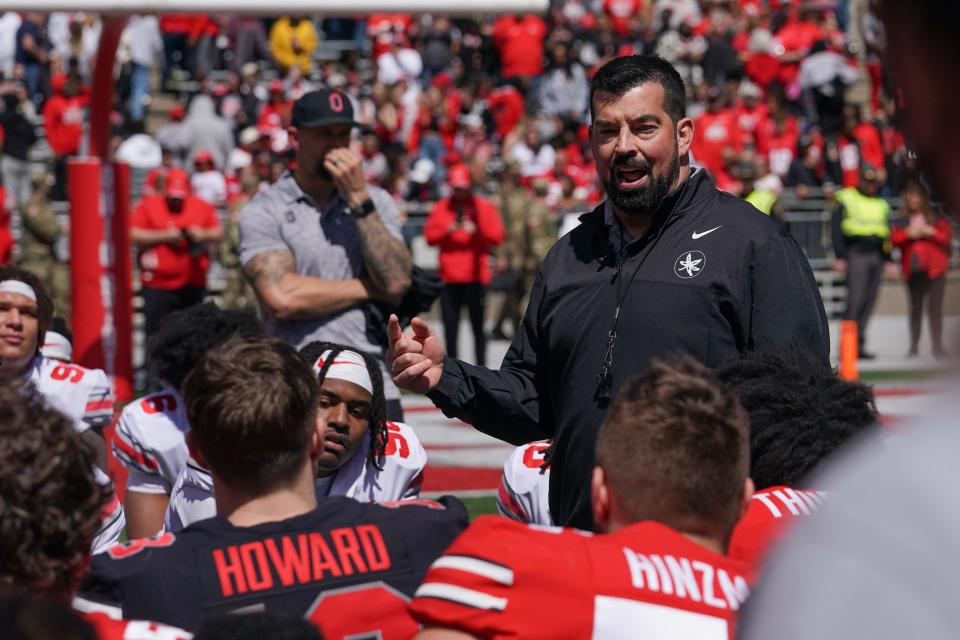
(268, 478)
(767, 82)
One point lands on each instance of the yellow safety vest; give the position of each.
(762, 200)
(864, 215)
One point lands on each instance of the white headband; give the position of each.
(349, 366)
(57, 347)
(16, 286)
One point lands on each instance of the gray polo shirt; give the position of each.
(325, 244)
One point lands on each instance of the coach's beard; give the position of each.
(648, 198)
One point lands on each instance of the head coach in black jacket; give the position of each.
(666, 265)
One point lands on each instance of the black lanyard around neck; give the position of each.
(605, 377)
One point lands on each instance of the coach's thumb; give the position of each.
(421, 329)
(394, 332)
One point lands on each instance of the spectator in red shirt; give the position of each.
(465, 227)
(924, 241)
(750, 111)
(519, 41)
(506, 105)
(173, 233)
(6, 238)
(620, 12)
(715, 135)
(63, 121)
(762, 66)
(777, 142)
(858, 144)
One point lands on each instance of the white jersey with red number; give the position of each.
(84, 395)
(524, 493)
(400, 479)
(108, 628)
(503, 579)
(113, 519)
(150, 441)
(770, 514)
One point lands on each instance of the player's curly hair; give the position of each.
(50, 500)
(378, 416)
(800, 412)
(187, 334)
(44, 301)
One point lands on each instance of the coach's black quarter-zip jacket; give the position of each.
(716, 278)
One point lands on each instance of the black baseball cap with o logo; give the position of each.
(321, 108)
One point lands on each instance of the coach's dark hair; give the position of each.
(675, 449)
(187, 334)
(620, 75)
(251, 402)
(50, 500)
(44, 301)
(800, 412)
(378, 416)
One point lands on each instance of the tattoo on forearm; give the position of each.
(387, 259)
(268, 268)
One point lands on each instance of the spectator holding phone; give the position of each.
(173, 232)
(924, 239)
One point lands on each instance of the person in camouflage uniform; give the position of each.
(41, 230)
(531, 231)
(237, 294)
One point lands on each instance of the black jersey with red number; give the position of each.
(349, 567)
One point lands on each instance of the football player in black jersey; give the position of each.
(347, 566)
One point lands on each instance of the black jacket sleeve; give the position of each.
(505, 404)
(787, 309)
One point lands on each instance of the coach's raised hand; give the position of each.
(416, 359)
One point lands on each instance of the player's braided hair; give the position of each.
(800, 412)
(378, 416)
(50, 500)
(188, 334)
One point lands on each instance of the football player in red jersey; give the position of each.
(800, 413)
(669, 486)
(347, 566)
(51, 510)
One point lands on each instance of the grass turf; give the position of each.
(480, 505)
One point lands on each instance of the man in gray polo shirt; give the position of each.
(320, 242)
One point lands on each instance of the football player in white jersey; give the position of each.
(365, 456)
(150, 434)
(524, 492)
(84, 396)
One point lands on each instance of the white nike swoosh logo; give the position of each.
(697, 236)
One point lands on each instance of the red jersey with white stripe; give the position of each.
(108, 628)
(150, 441)
(524, 492)
(769, 516)
(400, 479)
(503, 579)
(84, 395)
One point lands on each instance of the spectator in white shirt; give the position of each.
(533, 155)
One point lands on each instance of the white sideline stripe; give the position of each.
(89, 606)
(497, 573)
(461, 595)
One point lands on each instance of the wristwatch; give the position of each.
(364, 209)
